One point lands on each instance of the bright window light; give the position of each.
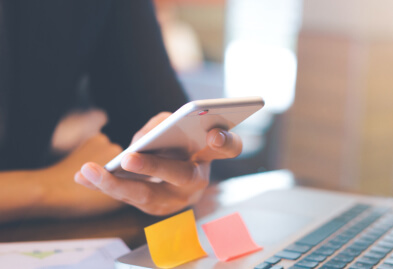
(254, 69)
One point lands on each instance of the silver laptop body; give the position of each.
(292, 224)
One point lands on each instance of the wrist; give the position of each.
(49, 195)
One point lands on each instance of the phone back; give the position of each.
(184, 132)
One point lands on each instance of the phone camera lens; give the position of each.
(203, 112)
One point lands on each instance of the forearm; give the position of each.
(52, 192)
(49, 193)
(20, 194)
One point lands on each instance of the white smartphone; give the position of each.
(184, 132)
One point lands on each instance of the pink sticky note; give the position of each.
(230, 237)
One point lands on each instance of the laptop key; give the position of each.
(289, 255)
(388, 239)
(389, 236)
(277, 267)
(380, 250)
(343, 258)
(336, 243)
(385, 266)
(320, 234)
(364, 242)
(368, 260)
(351, 252)
(327, 267)
(332, 245)
(350, 234)
(343, 239)
(369, 237)
(372, 254)
(385, 244)
(307, 264)
(363, 265)
(298, 248)
(315, 258)
(360, 247)
(263, 265)
(389, 261)
(273, 260)
(325, 251)
(378, 230)
(335, 264)
(376, 233)
(358, 267)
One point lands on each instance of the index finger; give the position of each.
(221, 144)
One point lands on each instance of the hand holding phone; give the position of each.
(184, 132)
(183, 181)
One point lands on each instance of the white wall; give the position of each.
(358, 18)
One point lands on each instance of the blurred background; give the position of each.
(324, 68)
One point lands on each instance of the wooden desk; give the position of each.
(128, 223)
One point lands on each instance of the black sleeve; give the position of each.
(130, 73)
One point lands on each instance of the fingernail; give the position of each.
(219, 139)
(132, 163)
(76, 177)
(91, 173)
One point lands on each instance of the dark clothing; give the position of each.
(48, 46)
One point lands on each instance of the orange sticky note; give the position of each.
(230, 237)
(174, 241)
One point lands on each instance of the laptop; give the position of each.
(300, 228)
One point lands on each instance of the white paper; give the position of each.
(65, 254)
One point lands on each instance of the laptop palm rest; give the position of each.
(273, 218)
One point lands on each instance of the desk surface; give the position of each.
(129, 222)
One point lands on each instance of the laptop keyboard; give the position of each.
(365, 242)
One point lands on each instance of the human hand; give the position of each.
(65, 198)
(182, 183)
